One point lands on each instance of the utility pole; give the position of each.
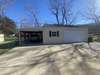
(19, 39)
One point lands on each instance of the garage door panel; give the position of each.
(74, 36)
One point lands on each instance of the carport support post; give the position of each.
(19, 37)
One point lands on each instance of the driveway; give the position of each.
(62, 59)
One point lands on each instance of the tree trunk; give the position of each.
(57, 18)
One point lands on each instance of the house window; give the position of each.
(54, 33)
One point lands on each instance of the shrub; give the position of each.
(90, 39)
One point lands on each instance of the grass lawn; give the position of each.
(6, 46)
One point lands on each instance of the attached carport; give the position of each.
(32, 36)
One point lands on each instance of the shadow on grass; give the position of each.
(7, 46)
(50, 59)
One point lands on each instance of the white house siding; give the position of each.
(52, 40)
(66, 35)
(75, 35)
(1, 38)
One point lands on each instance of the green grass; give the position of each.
(97, 38)
(6, 46)
(10, 38)
(94, 38)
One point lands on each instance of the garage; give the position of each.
(74, 36)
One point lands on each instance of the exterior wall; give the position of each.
(52, 40)
(1, 37)
(62, 32)
(75, 36)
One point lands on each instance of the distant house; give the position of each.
(1, 38)
(52, 34)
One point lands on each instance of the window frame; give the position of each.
(53, 33)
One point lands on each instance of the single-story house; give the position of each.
(1, 38)
(53, 34)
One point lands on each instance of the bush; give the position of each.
(90, 39)
(10, 38)
(97, 38)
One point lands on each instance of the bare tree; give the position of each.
(67, 12)
(23, 23)
(63, 11)
(92, 12)
(55, 6)
(33, 13)
(4, 4)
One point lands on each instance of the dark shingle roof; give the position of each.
(60, 25)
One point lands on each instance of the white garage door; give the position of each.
(75, 36)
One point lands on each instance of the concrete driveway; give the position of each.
(63, 59)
